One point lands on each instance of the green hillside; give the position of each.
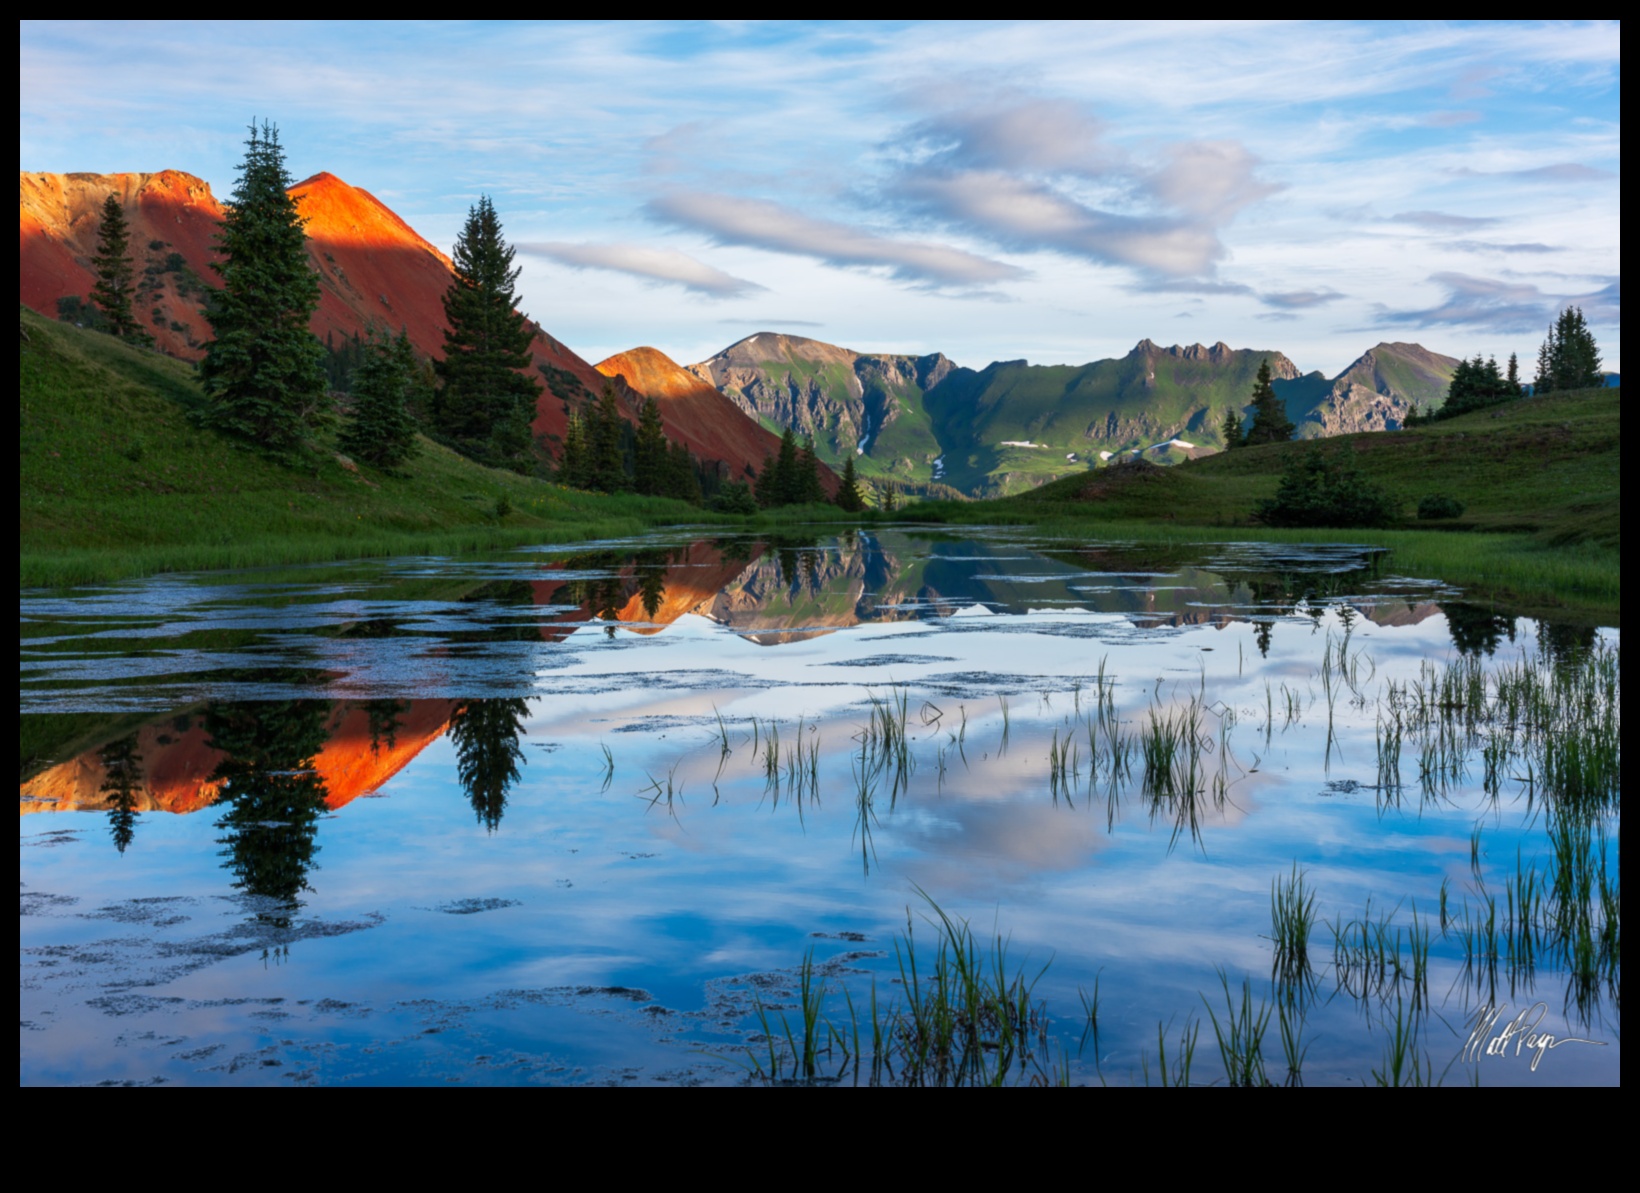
(1011, 427)
(1541, 479)
(114, 479)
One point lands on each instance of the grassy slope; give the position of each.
(115, 480)
(1541, 478)
(974, 413)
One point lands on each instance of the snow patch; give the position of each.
(1015, 443)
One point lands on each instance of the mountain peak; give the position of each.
(652, 373)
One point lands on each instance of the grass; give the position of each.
(1540, 478)
(116, 480)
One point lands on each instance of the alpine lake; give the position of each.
(839, 808)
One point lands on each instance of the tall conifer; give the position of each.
(788, 481)
(1270, 421)
(606, 456)
(849, 499)
(380, 430)
(111, 266)
(651, 460)
(264, 371)
(808, 475)
(487, 402)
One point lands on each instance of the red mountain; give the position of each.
(374, 271)
(698, 414)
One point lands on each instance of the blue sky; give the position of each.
(994, 190)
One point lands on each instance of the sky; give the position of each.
(1053, 191)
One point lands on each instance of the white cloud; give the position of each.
(756, 223)
(658, 265)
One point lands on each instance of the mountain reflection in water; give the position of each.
(655, 773)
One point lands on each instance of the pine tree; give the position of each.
(112, 266)
(1270, 421)
(606, 454)
(766, 489)
(487, 402)
(651, 456)
(1514, 375)
(788, 483)
(813, 492)
(572, 469)
(380, 430)
(1476, 385)
(1231, 430)
(682, 478)
(1570, 358)
(264, 371)
(849, 499)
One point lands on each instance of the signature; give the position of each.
(1518, 1038)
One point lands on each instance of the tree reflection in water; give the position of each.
(123, 770)
(273, 795)
(488, 756)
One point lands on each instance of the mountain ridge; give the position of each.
(375, 271)
(1011, 425)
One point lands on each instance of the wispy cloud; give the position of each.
(1010, 172)
(757, 223)
(1505, 307)
(651, 264)
(1441, 221)
(1560, 172)
(1483, 246)
(1300, 300)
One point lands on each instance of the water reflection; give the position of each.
(273, 794)
(486, 734)
(123, 768)
(735, 746)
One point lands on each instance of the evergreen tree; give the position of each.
(488, 757)
(487, 402)
(380, 431)
(112, 266)
(1514, 375)
(1570, 358)
(264, 371)
(122, 767)
(766, 489)
(682, 478)
(572, 469)
(788, 484)
(1234, 436)
(849, 499)
(813, 492)
(652, 458)
(1476, 385)
(606, 455)
(1270, 421)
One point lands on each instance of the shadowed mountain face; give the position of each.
(374, 271)
(1011, 426)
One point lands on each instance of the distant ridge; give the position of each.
(1010, 426)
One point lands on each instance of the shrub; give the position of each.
(1440, 509)
(1318, 492)
(735, 498)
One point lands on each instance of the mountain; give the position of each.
(853, 404)
(921, 420)
(374, 271)
(179, 763)
(697, 414)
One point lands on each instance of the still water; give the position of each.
(578, 816)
